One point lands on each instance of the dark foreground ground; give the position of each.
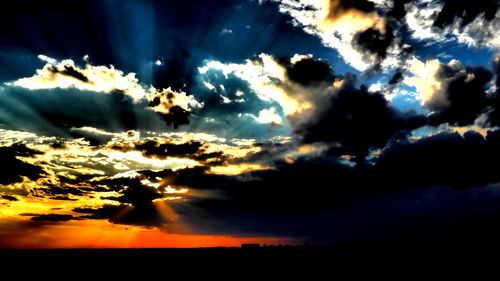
(403, 260)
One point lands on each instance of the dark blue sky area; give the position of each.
(131, 35)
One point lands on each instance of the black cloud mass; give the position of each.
(464, 97)
(13, 168)
(309, 71)
(465, 11)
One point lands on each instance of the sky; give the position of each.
(149, 123)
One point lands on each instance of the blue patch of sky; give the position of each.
(17, 64)
(404, 99)
(467, 55)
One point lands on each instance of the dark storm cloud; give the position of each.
(279, 191)
(310, 71)
(142, 215)
(494, 108)
(496, 68)
(464, 96)
(398, 10)
(362, 5)
(465, 11)
(104, 212)
(137, 195)
(446, 159)
(314, 196)
(357, 120)
(395, 34)
(432, 216)
(137, 206)
(375, 41)
(318, 196)
(9, 198)
(396, 78)
(176, 116)
(13, 169)
(153, 148)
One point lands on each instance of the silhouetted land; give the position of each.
(414, 258)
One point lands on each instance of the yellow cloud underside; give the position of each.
(424, 78)
(350, 21)
(236, 169)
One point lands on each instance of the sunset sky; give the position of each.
(149, 123)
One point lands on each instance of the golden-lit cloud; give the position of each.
(463, 130)
(10, 137)
(236, 169)
(304, 150)
(238, 151)
(76, 156)
(336, 25)
(424, 78)
(164, 100)
(348, 20)
(66, 74)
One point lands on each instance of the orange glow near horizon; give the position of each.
(95, 234)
